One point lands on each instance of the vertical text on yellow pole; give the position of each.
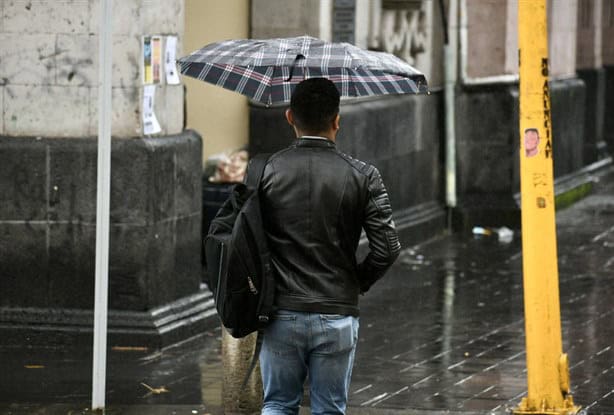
(547, 368)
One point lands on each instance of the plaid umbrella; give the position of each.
(268, 70)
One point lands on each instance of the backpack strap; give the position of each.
(255, 170)
(253, 177)
(254, 362)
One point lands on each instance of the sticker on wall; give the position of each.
(531, 142)
(150, 122)
(170, 66)
(152, 59)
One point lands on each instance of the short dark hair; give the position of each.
(314, 104)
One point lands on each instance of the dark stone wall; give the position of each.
(487, 131)
(608, 122)
(595, 98)
(568, 114)
(488, 163)
(486, 156)
(400, 135)
(48, 222)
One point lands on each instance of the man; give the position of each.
(315, 202)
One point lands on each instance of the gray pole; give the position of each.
(102, 208)
(236, 357)
(450, 63)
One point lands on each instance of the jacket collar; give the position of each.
(314, 141)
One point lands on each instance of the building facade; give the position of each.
(48, 127)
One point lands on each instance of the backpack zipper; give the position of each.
(219, 275)
(252, 287)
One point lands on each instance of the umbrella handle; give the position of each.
(298, 57)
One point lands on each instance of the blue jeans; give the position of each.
(297, 344)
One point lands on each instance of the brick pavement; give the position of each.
(442, 332)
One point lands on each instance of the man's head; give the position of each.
(314, 107)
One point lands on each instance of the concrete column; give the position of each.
(486, 38)
(589, 68)
(562, 25)
(411, 30)
(363, 18)
(608, 33)
(282, 18)
(49, 66)
(588, 54)
(608, 63)
(511, 38)
(236, 358)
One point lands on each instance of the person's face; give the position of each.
(531, 140)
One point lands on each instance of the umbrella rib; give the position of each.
(205, 71)
(282, 52)
(225, 74)
(262, 86)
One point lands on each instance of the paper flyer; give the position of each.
(170, 66)
(152, 59)
(150, 122)
(156, 58)
(147, 68)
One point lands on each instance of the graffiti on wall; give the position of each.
(400, 27)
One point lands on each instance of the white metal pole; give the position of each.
(103, 207)
(451, 65)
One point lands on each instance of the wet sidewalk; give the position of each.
(444, 331)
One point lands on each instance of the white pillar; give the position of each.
(103, 207)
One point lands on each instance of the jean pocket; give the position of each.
(332, 317)
(284, 316)
(280, 335)
(339, 333)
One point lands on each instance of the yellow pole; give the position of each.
(548, 371)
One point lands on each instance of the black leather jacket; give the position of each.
(315, 202)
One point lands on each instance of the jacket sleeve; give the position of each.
(384, 246)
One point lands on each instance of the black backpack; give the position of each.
(238, 260)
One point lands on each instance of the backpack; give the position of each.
(238, 258)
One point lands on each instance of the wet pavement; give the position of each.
(444, 331)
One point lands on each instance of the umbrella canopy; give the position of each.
(268, 70)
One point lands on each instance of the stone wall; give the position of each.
(608, 122)
(486, 38)
(488, 174)
(589, 68)
(282, 18)
(49, 67)
(608, 62)
(562, 25)
(48, 171)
